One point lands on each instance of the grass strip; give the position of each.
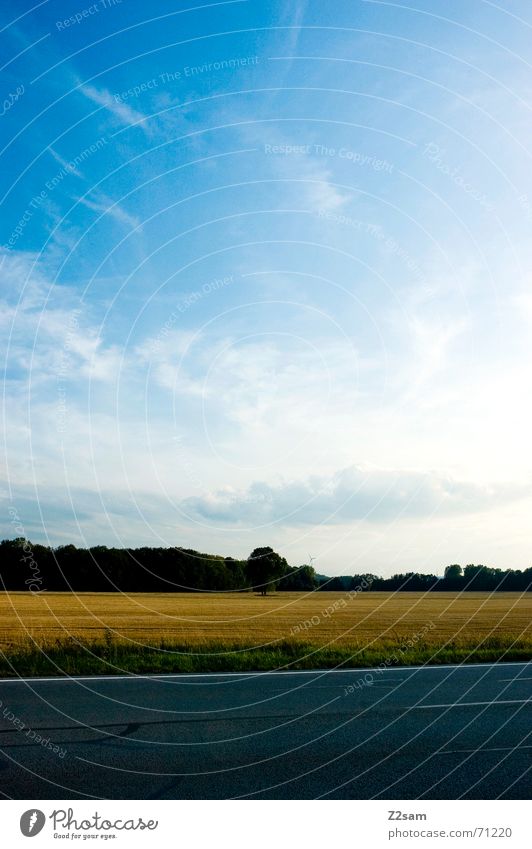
(106, 657)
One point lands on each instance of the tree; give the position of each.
(264, 568)
(453, 572)
(303, 578)
(481, 577)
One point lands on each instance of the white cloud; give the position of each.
(166, 356)
(292, 158)
(354, 493)
(322, 195)
(66, 166)
(105, 204)
(314, 182)
(431, 344)
(48, 333)
(123, 113)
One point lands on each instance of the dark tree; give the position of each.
(453, 572)
(300, 579)
(265, 568)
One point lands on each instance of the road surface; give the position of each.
(402, 733)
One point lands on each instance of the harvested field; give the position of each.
(340, 619)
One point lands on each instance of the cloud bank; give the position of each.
(353, 493)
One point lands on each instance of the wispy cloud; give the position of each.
(166, 356)
(67, 166)
(322, 194)
(122, 112)
(292, 17)
(105, 204)
(315, 183)
(47, 330)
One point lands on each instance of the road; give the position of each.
(402, 733)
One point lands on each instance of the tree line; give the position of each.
(34, 567)
(455, 579)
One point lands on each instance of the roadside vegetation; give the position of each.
(101, 657)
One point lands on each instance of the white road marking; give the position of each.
(475, 704)
(481, 749)
(251, 674)
(514, 679)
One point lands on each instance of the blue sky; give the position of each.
(266, 278)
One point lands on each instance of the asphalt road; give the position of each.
(434, 733)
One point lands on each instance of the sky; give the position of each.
(265, 278)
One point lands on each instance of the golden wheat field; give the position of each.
(319, 618)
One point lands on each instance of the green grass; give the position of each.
(107, 657)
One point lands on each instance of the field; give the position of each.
(95, 632)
